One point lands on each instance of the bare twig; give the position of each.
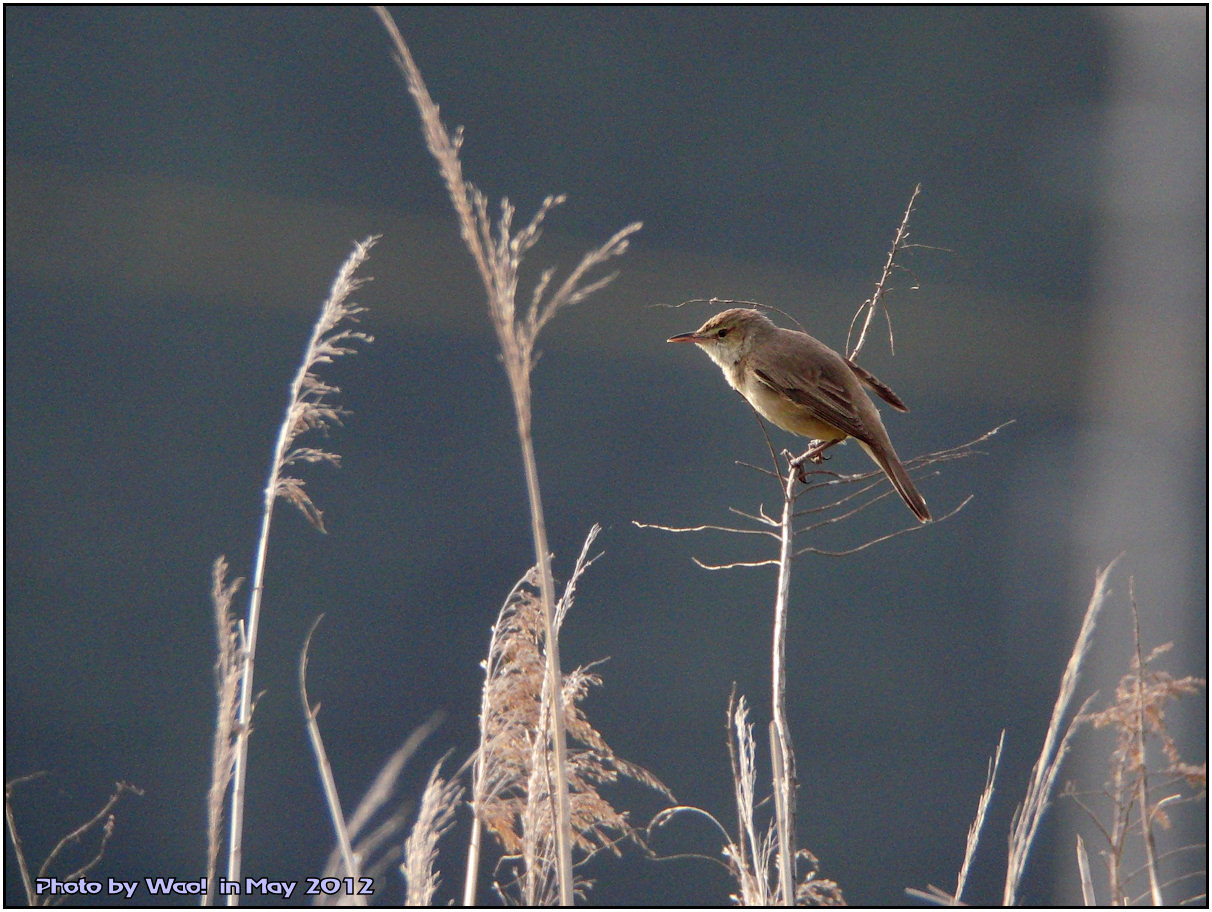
(11, 820)
(872, 304)
(841, 507)
(703, 528)
(883, 538)
(103, 821)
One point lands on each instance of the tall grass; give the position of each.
(498, 251)
(310, 407)
(535, 782)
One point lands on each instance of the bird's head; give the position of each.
(728, 336)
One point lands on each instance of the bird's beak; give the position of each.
(684, 337)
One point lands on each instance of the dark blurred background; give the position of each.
(181, 186)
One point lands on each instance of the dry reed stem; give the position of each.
(1137, 714)
(498, 252)
(227, 690)
(378, 847)
(311, 715)
(782, 753)
(310, 407)
(1030, 812)
(1083, 870)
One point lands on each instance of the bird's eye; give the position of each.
(721, 332)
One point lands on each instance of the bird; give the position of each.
(803, 386)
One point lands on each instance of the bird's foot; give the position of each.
(814, 454)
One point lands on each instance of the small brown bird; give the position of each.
(802, 385)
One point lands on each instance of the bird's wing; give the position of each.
(880, 388)
(820, 388)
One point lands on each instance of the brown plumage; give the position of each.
(802, 385)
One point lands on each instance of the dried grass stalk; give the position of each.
(310, 407)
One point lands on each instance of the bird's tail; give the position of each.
(885, 457)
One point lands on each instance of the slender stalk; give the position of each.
(18, 846)
(479, 764)
(308, 408)
(498, 251)
(473, 862)
(1027, 816)
(327, 780)
(235, 843)
(555, 690)
(781, 750)
(1142, 776)
(872, 303)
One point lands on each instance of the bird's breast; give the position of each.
(781, 411)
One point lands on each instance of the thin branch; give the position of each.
(883, 538)
(103, 821)
(732, 565)
(11, 820)
(706, 527)
(872, 304)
